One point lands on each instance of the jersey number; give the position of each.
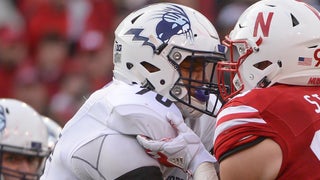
(315, 144)
(313, 99)
(158, 97)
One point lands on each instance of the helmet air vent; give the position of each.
(134, 19)
(312, 47)
(151, 68)
(270, 5)
(295, 22)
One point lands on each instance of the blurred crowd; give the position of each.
(55, 53)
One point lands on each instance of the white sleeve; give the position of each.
(141, 113)
(139, 120)
(96, 160)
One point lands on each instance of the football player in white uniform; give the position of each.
(164, 59)
(23, 141)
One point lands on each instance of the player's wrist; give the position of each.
(205, 170)
(202, 156)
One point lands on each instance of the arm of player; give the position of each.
(261, 161)
(184, 151)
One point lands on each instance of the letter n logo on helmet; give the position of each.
(264, 25)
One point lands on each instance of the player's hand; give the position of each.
(184, 151)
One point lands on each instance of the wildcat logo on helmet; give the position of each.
(173, 21)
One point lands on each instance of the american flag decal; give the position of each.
(304, 61)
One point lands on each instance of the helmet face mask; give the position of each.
(230, 81)
(23, 139)
(152, 43)
(273, 43)
(196, 78)
(10, 161)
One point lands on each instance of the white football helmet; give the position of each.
(151, 44)
(275, 41)
(22, 132)
(54, 130)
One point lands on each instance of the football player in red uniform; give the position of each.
(270, 129)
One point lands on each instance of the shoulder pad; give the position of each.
(140, 111)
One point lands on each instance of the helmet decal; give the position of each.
(304, 61)
(36, 145)
(174, 21)
(2, 119)
(136, 37)
(316, 56)
(265, 26)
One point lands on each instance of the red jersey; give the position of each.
(290, 115)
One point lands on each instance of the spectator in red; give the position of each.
(102, 16)
(95, 54)
(28, 88)
(51, 57)
(49, 16)
(73, 91)
(68, 18)
(13, 52)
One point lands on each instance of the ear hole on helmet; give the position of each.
(129, 65)
(151, 68)
(262, 65)
(295, 22)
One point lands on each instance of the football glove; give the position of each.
(184, 151)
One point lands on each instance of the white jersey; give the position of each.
(99, 142)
